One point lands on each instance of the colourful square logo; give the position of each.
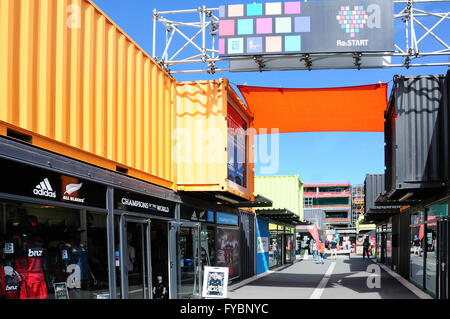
(221, 46)
(264, 26)
(283, 25)
(222, 12)
(302, 24)
(274, 44)
(292, 7)
(245, 26)
(236, 10)
(352, 20)
(254, 45)
(226, 27)
(254, 9)
(293, 43)
(273, 8)
(235, 46)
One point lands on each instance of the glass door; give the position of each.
(189, 262)
(442, 259)
(134, 258)
(289, 249)
(431, 261)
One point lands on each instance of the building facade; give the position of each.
(110, 189)
(417, 181)
(334, 199)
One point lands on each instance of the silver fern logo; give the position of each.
(70, 189)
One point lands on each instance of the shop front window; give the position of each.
(236, 147)
(417, 245)
(275, 249)
(50, 252)
(389, 243)
(227, 250)
(208, 248)
(289, 248)
(433, 214)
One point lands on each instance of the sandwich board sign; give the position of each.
(215, 283)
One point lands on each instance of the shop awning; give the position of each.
(358, 108)
(380, 214)
(280, 215)
(260, 201)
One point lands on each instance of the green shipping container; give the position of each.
(285, 191)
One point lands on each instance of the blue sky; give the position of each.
(316, 157)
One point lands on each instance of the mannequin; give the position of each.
(160, 289)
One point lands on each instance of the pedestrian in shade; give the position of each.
(366, 247)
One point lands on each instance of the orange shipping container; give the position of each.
(208, 157)
(79, 86)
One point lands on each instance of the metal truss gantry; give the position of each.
(199, 37)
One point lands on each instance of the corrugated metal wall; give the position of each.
(201, 135)
(68, 73)
(284, 191)
(417, 133)
(373, 186)
(200, 138)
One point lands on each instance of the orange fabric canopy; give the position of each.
(357, 109)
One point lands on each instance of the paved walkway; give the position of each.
(341, 278)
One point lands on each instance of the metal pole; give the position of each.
(110, 243)
(155, 14)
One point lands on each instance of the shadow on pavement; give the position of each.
(348, 280)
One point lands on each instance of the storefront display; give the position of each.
(417, 245)
(47, 245)
(227, 249)
(434, 214)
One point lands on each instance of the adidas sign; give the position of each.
(44, 189)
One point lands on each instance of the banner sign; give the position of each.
(29, 181)
(227, 219)
(141, 203)
(227, 250)
(306, 27)
(263, 245)
(196, 214)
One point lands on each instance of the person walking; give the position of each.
(314, 249)
(333, 245)
(366, 247)
(321, 251)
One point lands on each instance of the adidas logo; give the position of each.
(44, 189)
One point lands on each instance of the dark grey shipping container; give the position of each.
(417, 134)
(373, 186)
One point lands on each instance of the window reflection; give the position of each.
(236, 147)
(416, 248)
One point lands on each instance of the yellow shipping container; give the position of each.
(74, 83)
(200, 142)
